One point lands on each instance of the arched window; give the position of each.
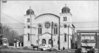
(63, 48)
(47, 25)
(55, 29)
(39, 29)
(43, 41)
(65, 38)
(50, 41)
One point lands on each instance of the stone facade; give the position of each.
(49, 30)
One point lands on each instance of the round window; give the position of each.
(47, 25)
(55, 25)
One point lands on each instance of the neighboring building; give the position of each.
(48, 29)
(1, 34)
(97, 45)
(88, 38)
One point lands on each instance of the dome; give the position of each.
(29, 12)
(65, 10)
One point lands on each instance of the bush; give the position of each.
(11, 44)
(40, 49)
(4, 47)
(52, 49)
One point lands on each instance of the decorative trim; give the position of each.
(47, 14)
(46, 33)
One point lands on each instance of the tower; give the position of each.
(65, 15)
(29, 16)
(65, 28)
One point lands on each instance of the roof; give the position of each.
(87, 31)
(65, 10)
(88, 47)
(47, 14)
(29, 12)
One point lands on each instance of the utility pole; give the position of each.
(68, 37)
(52, 34)
(96, 39)
(59, 36)
(0, 24)
(1, 2)
(1, 32)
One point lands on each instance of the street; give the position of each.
(30, 51)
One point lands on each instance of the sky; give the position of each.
(84, 13)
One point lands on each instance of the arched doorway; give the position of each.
(50, 41)
(43, 41)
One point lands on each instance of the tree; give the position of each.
(9, 33)
(20, 38)
(0, 39)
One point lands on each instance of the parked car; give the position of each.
(51, 49)
(45, 47)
